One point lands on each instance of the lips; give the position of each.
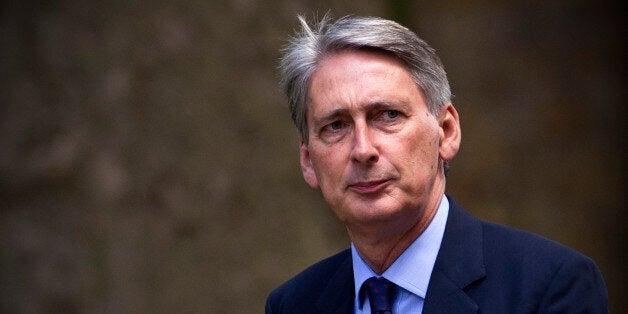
(366, 187)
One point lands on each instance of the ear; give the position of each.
(306, 166)
(450, 133)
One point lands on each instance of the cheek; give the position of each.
(328, 168)
(420, 151)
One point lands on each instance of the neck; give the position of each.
(380, 246)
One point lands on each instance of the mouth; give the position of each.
(368, 187)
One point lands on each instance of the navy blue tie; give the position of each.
(381, 293)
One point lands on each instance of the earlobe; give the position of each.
(306, 166)
(450, 133)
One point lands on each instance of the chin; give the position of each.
(366, 215)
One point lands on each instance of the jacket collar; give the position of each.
(459, 263)
(338, 295)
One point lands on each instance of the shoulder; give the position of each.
(524, 270)
(504, 239)
(562, 278)
(304, 290)
(509, 246)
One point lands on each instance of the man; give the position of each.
(372, 105)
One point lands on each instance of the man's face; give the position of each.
(373, 146)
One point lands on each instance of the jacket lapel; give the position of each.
(459, 263)
(339, 293)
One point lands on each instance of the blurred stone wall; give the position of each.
(148, 163)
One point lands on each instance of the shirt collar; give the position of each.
(412, 270)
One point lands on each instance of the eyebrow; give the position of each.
(331, 115)
(386, 106)
(377, 105)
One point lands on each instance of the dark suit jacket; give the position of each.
(481, 267)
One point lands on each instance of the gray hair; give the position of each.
(305, 51)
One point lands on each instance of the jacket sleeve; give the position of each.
(576, 287)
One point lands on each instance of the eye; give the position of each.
(391, 114)
(334, 126)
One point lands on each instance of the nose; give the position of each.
(364, 150)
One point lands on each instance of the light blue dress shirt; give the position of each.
(411, 271)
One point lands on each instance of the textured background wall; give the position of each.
(147, 156)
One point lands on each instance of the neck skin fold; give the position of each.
(380, 246)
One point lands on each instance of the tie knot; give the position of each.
(381, 294)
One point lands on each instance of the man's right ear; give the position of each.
(306, 166)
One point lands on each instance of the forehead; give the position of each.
(357, 77)
(358, 62)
